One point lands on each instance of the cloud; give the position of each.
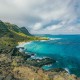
(37, 26)
(53, 27)
(43, 16)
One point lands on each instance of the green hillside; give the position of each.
(14, 65)
(25, 31)
(14, 28)
(3, 29)
(11, 34)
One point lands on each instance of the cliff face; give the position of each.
(25, 31)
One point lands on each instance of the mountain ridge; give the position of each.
(6, 27)
(17, 29)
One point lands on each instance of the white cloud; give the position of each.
(36, 14)
(37, 26)
(53, 27)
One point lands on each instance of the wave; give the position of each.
(43, 40)
(55, 38)
(37, 57)
(23, 44)
(66, 69)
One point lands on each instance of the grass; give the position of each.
(14, 65)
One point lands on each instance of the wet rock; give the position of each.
(15, 52)
(40, 62)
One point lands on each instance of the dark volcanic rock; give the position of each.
(40, 62)
(15, 52)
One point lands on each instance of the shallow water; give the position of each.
(65, 49)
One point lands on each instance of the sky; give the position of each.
(43, 16)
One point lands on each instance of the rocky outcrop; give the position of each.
(19, 68)
(40, 62)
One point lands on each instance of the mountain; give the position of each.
(11, 34)
(3, 29)
(25, 31)
(12, 27)
(15, 28)
(14, 65)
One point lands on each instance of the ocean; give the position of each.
(65, 49)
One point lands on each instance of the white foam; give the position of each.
(36, 57)
(43, 40)
(28, 42)
(32, 56)
(66, 69)
(20, 50)
(23, 44)
(50, 39)
(55, 38)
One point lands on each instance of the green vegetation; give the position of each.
(11, 34)
(14, 64)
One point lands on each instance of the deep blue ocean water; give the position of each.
(65, 49)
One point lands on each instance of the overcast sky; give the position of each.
(43, 16)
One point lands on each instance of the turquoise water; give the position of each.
(65, 49)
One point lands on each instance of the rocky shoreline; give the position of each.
(16, 65)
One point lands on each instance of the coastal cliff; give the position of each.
(14, 64)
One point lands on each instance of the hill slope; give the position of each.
(16, 29)
(13, 64)
(25, 31)
(3, 28)
(11, 33)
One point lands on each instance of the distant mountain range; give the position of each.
(6, 28)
